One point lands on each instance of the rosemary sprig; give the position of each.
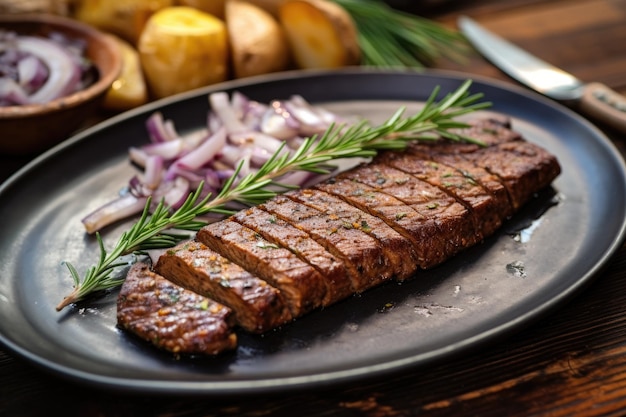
(434, 120)
(393, 38)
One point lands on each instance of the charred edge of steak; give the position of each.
(301, 285)
(360, 252)
(257, 306)
(171, 317)
(397, 248)
(447, 228)
(277, 231)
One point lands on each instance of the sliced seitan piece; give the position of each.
(278, 231)
(257, 306)
(483, 208)
(362, 254)
(301, 285)
(523, 167)
(171, 317)
(448, 227)
(397, 248)
(423, 232)
(490, 182)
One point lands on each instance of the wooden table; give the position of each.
(572, 362)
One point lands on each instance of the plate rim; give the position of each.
(237, 387)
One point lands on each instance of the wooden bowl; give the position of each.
(33, 128)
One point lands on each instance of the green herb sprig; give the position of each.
(434, 120)
(392, 38)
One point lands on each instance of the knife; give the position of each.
(594, 99)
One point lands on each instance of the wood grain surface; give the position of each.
(570, 363)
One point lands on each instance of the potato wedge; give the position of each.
(129, 89)
(257, 41)
(182, 48)
(321, 34)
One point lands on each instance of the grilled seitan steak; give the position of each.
(379, 221)
(173, 318)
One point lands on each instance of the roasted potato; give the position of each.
(257, 41)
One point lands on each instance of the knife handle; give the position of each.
(605, 105)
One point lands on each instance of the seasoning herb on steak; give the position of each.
(481, 206)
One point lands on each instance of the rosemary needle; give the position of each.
(434, 120)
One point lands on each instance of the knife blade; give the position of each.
(594, 99)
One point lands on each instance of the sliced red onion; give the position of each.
(237, 135)
(11, 94)
(138, 156)
(276, 121)
(173, 193)
(259, 139)
(64, 74)
(204, 153)
(313, 120)
(159, 129)
(220, 104)
(168, 150)
(32, 73)
(118, 209)
(153, 171)
(230, 155)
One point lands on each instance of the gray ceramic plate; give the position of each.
(468, 301)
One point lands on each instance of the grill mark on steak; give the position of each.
(361, 253)
(398, 249)
(422, 232)
(171, 317)
(481, 205)
(523, 167)
(490, 182)
(453, 228)
(278, 231)
(257, 306)
(301, 285)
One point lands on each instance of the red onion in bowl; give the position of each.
(46, 68)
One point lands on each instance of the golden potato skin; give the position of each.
(257, 41)
(321, 34)
(125, 18)
(129, 89)
(182, 48)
